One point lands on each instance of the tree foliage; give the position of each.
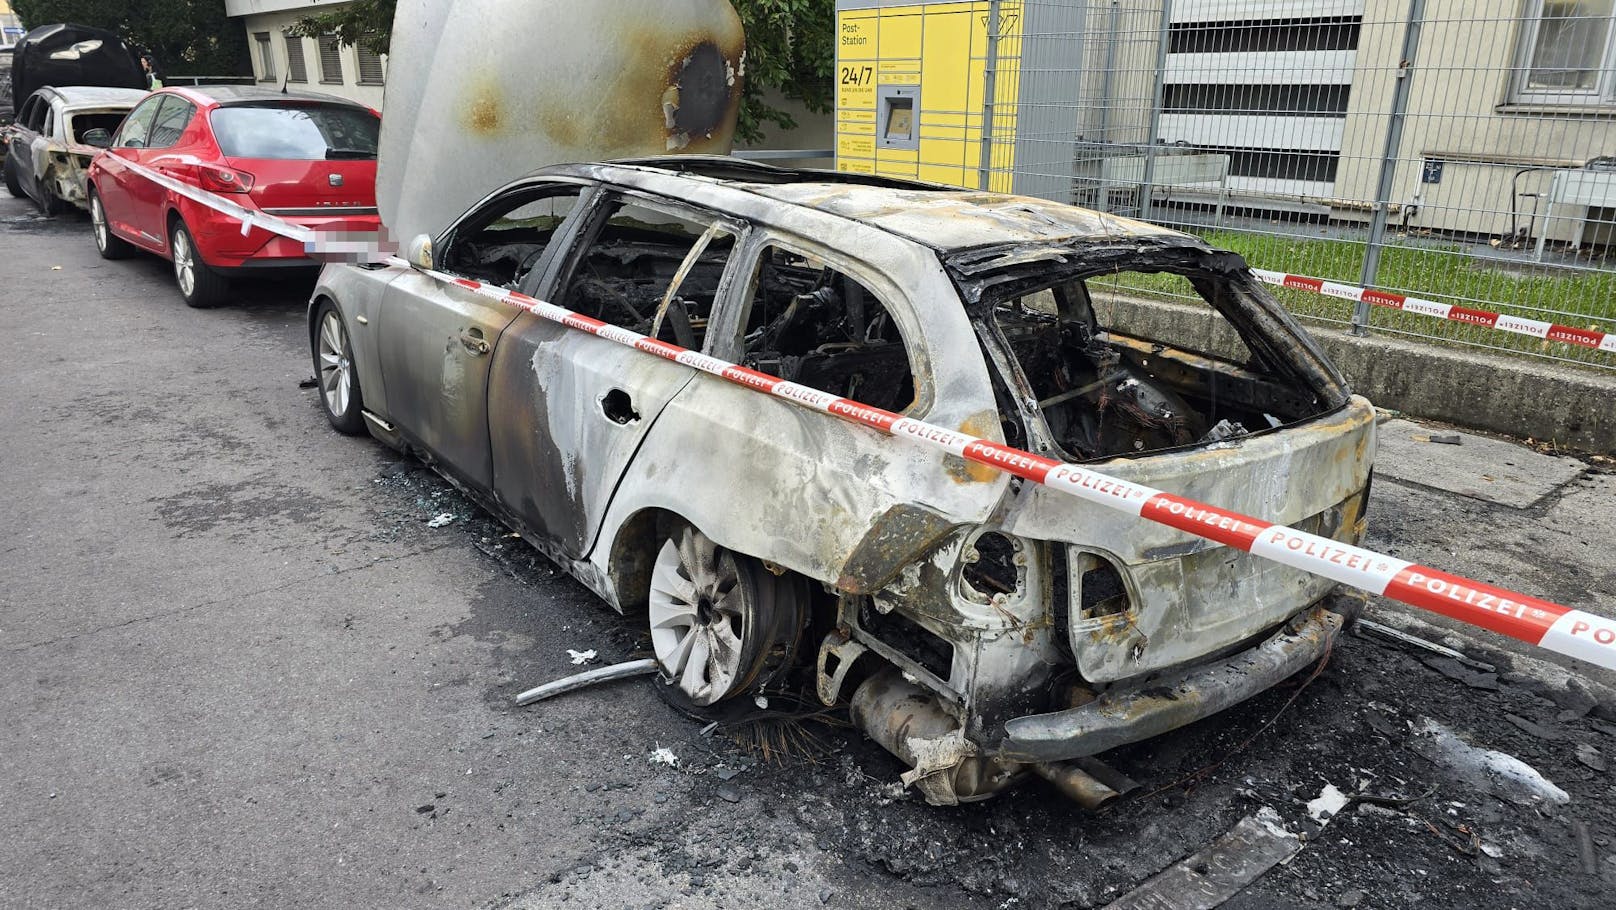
(188, 37)
(789, 50)
(363, 21)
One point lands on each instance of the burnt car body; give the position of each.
(63, 54)
(984, 627)
(47, 157)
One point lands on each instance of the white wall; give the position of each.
(276, 23)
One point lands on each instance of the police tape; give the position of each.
(1549, 331)
(1575, 633)
(341, 246)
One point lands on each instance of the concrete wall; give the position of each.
(275, 22)
(1518, 397)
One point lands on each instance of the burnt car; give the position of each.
(57, 134)
(983, 628)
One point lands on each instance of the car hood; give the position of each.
(511, 88)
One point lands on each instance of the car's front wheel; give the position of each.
(107, 244)
(13, 185)
(201, 286)
(722, 624)
(334, 371)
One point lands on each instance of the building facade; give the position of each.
(310, 64)
(1465, 118)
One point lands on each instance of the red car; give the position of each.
(307, 158)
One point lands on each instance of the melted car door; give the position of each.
(572, 408)
(438, 339)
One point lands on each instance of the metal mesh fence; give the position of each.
(1458, 152)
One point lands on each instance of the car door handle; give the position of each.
(474, 343)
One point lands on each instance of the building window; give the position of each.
(370, 66)
(296, 69)
(1568, 53)
(266, 57)
(330, 60)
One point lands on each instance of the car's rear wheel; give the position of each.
(13, 185)
(722, 624)
(201, 286)
(106, 243)
(334, 371)
(49, 202)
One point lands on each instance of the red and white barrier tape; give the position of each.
(1549, 625)
(340, 245)
(1558, 628)
(1551, 331)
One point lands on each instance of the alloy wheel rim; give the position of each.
(697, 607)
(98, 219)
(184, 266)
(336, 366)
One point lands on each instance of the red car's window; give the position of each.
(301, 132)
(170, 123)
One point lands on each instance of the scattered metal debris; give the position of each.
(1498, 773)
(1585, 846)
(1397, 635)
(1327, 804)
(641, 667)
(1220, 871)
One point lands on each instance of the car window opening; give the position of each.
(79, 124)
(640, 257)
(503, 246)
(1100, 392)
(811, 324)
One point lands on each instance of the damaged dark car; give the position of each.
(982, 629)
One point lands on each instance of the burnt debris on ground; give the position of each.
(1414, 829)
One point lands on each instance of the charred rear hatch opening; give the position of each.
(1080, 387)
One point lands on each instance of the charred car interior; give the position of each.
(1096, 392)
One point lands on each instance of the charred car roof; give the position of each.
(71, 96)
(945, 218)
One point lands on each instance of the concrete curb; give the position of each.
(1472, 388)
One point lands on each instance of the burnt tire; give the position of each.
(722, 624)
(108, 244)
(13, 185)
(336, 379)
(200, 285)
(49, 203)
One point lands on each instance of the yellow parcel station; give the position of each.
(911, 82)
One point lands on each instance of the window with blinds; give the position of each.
(330, 60)
(266, 57)
(370, 66)
(296, 69)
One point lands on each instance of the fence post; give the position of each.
(985, 164)
(1148, 180)
(1388, 162)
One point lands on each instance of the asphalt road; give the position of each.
(240, 670)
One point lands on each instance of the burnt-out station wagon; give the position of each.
(981, 627)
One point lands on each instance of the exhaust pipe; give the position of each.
(1089, 782)
(912, 724)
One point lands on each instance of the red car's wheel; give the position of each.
(201, 286)
(107, 244)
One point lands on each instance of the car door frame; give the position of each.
(114, 189)
(20, 147)
(588, 500)
(394, 362)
